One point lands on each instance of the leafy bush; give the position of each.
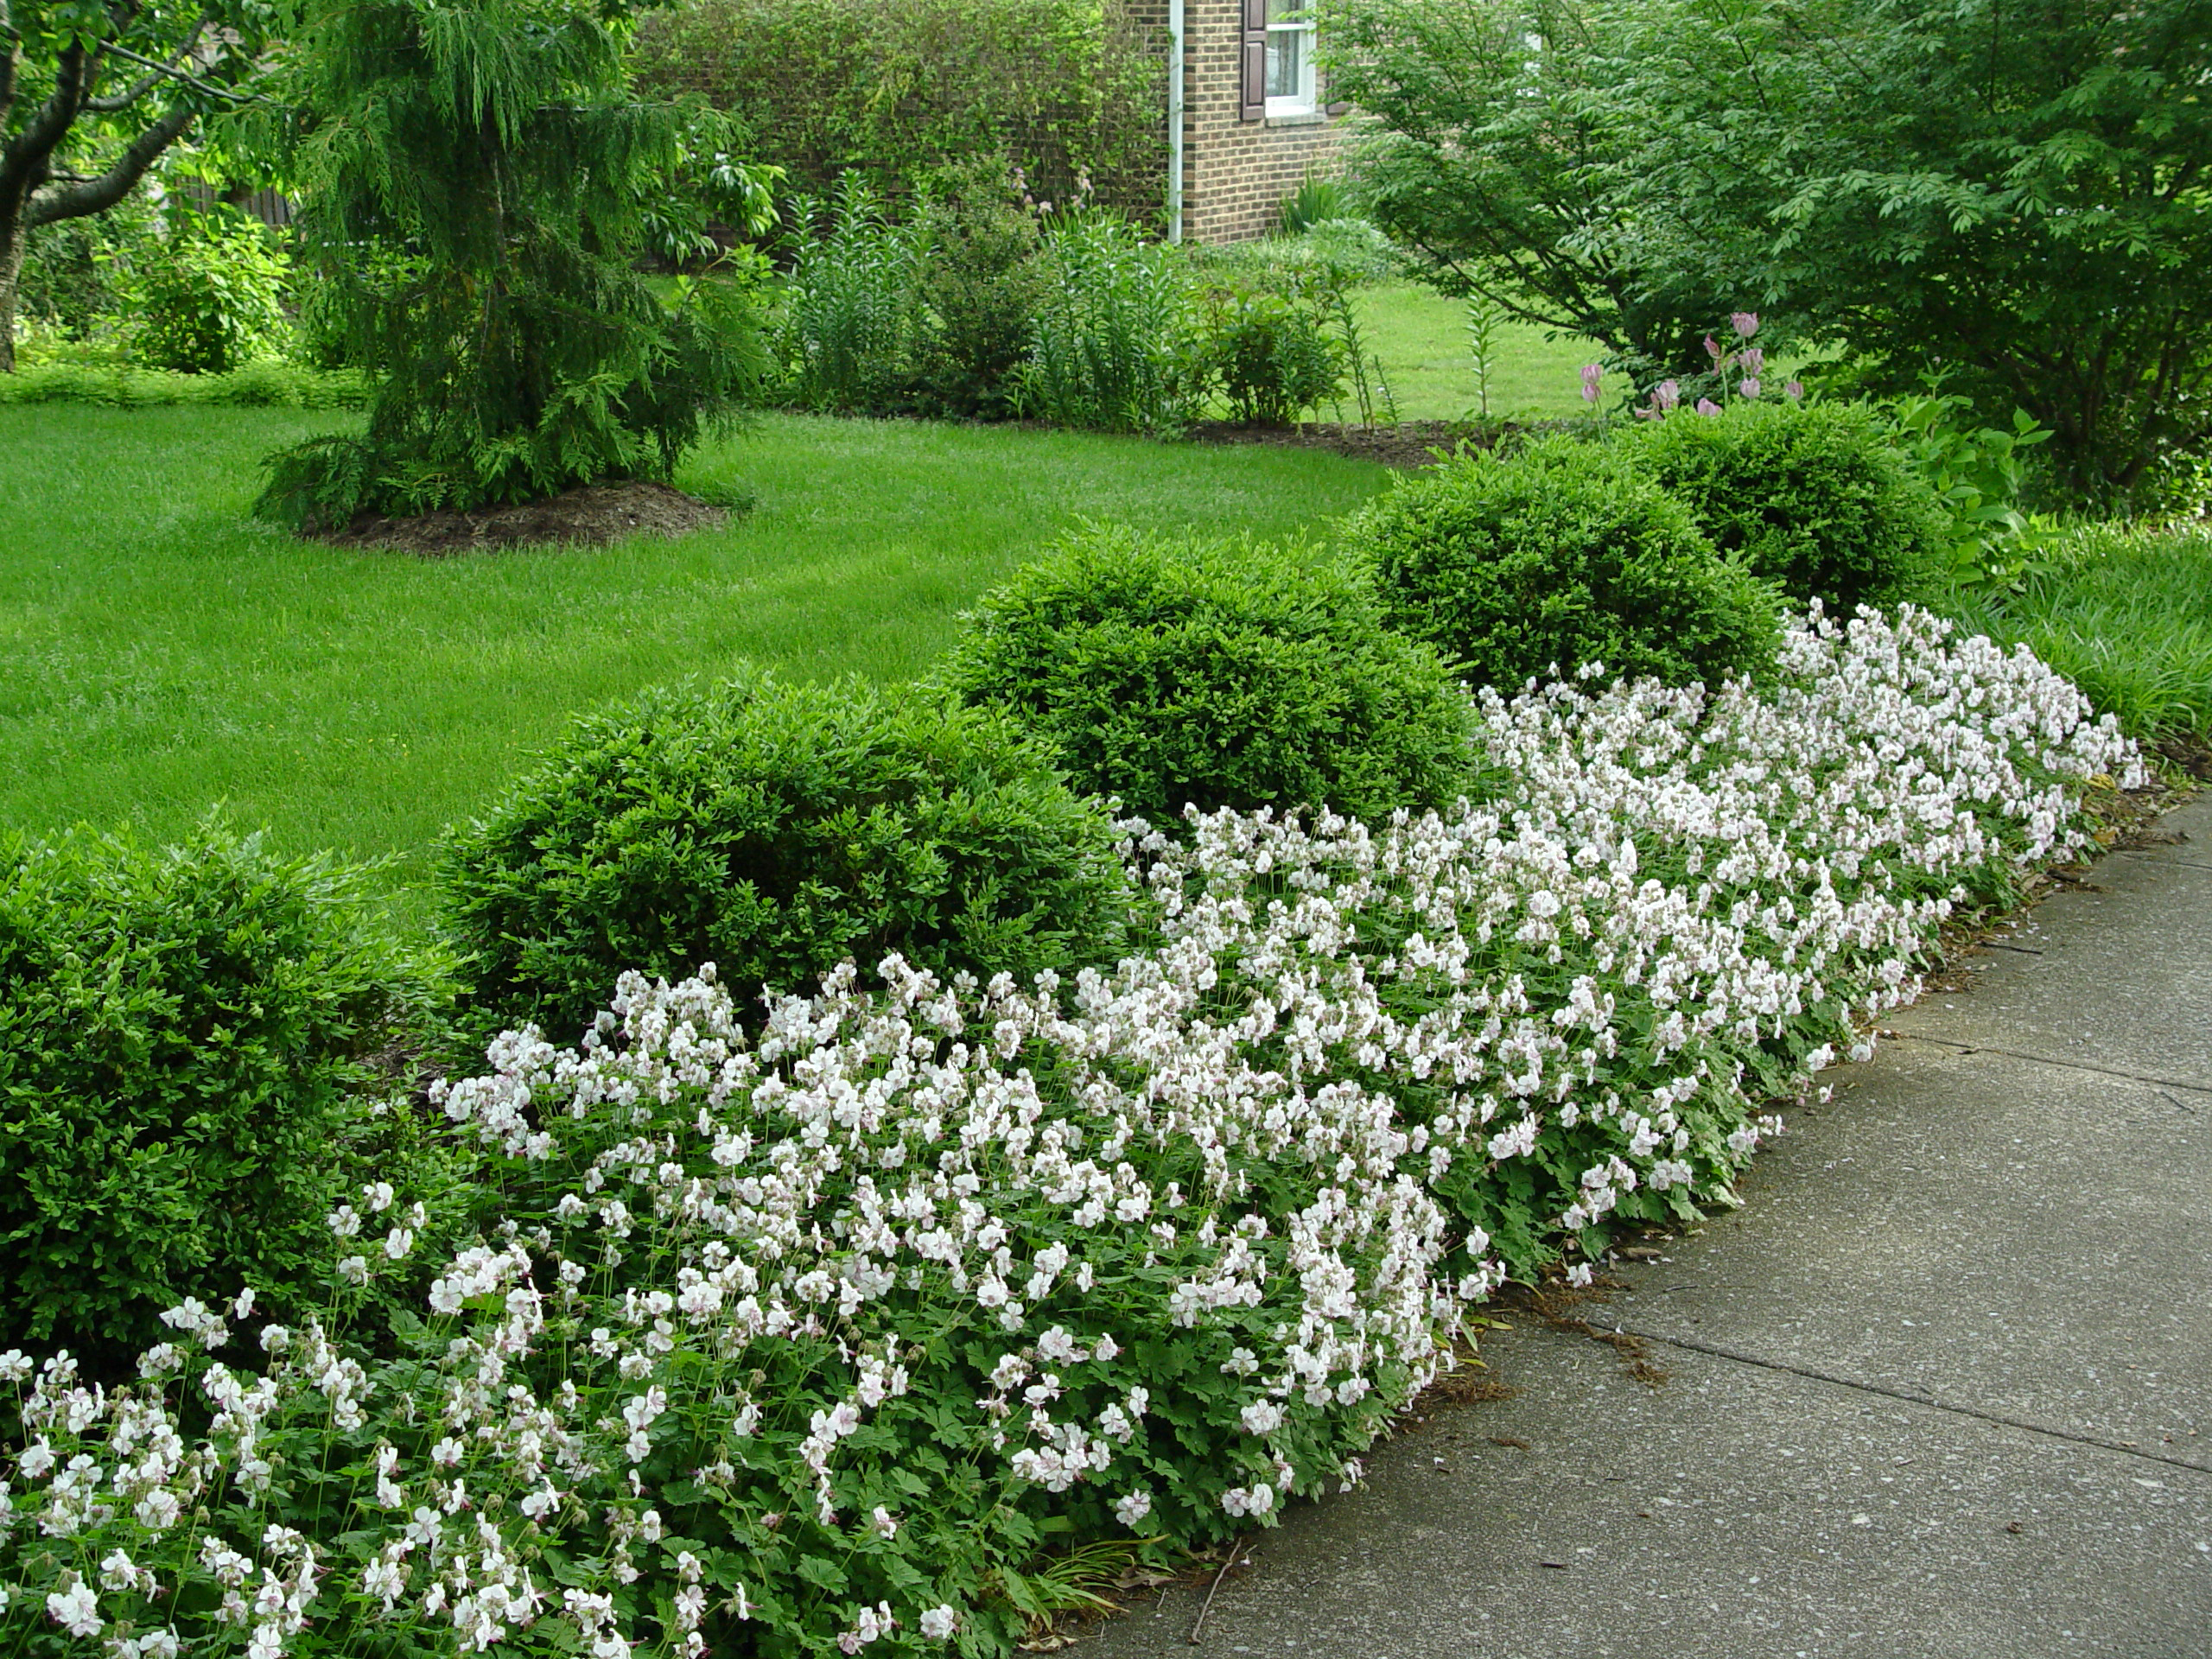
(1978, 478)
(210, 298)
(1972, 184)
(1174, 672)
(775, 829)
(1268, 349)
(1106, 351)
(1813, 497)
(178, 1033)
(1562, 554)
(75, 270)
(982, 278)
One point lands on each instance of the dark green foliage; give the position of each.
(73, 269)
(1816, 499)
(1069, 87)
(776, 829)
(1169, 673)
(1266, 345)
(209, 297)
(1503, 134)
(1564, 556)
(982, 278)
(2011, 189)
(178, 1030)
(478, 179)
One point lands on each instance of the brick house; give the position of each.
(1248, 115)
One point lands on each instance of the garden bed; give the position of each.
(1406, 445)
(591, 515)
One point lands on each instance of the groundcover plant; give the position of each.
(814, 1342)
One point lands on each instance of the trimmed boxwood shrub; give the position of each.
(774, 829)
(1815, 498)
(1169, 672)
(1563, 555)
(179, 1031)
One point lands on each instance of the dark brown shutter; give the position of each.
(1252, 102)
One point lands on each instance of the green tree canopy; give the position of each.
(92, 94)
(2015, 189)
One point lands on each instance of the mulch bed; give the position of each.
(1408, 445)
(592, 517)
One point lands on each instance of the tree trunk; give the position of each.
(11, 268)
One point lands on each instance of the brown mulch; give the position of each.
(592, 517)
(2189, 754)
(1407, 445)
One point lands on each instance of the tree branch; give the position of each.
(174, 73)
(97, 195)
(9, 44)
(24, 157)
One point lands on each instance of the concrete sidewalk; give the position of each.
(1942, 1387)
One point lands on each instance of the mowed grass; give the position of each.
(161, 653)
(1421, 337)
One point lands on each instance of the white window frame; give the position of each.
(1307, 100)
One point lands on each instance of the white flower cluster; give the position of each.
(763, 1328)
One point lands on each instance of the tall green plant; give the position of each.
(848, 331)
(495, 145)
(1107, 349)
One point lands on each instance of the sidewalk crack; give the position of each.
(2027, 1425)
(1960, 1048)
(2138, 852)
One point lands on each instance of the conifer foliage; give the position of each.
(478, 177)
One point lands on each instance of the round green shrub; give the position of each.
(1169, 673)
(774, 829)
(179, 1034)
(1814, 498)
(1560, 555)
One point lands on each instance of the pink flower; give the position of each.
(1706, 406)
(1712, 348)
(1794, 390)
(1666, 394)
(1752, 358)
(1749, 386)
(1745, 323)
(1592, 373)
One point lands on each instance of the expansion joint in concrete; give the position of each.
(1963, 1049)
(2025, 1425)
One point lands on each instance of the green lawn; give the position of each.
(159, 653)
(1421, 338)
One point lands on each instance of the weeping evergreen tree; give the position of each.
(478, 179)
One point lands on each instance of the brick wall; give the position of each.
(1237, 173)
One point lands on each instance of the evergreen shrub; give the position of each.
(179, 1031)
(1169, 672)
(1561, 555)
(1816, 498)
(775, 829)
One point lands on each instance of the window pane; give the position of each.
(1286, 62)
